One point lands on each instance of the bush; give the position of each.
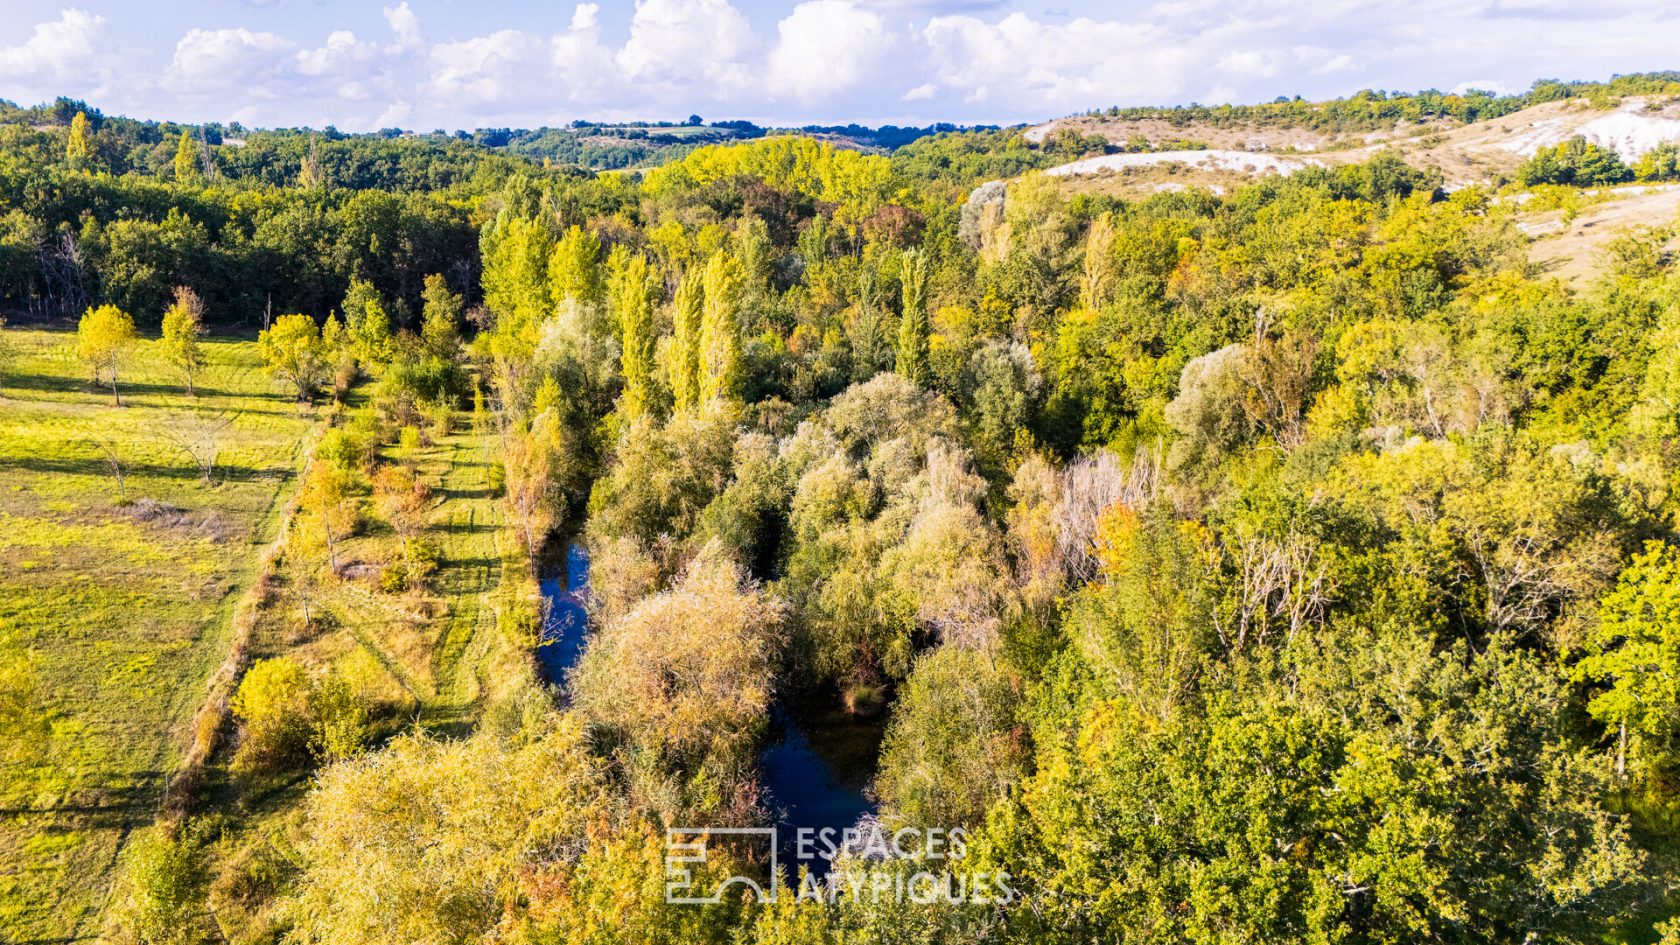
(164, 899)
(275, 703)
(1576, 161)
(341, 728)
(343, 450)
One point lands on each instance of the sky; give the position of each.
(426, 64)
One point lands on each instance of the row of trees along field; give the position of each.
(1289, 565)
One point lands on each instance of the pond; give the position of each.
(817, 760)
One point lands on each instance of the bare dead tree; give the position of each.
(1091, 485)
(1278, 375)
(107, 450)
(206, 157)
(63, 274)
(1281, 586)
(199, 436)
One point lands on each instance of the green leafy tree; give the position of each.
(186, 159)
(1576, 161)
(516, 253)
(463, 834)
(635, 292)
(328, 504)
(952, 748)
(275, 706)
(441, 319)
(1634, 653)
(368, 324)
(720, 330)
(78, 147)
(1660, 163)
(684, 366)
(1350, 828)
(293, 352)
(528, 490)
(684, 677)
(574, 270)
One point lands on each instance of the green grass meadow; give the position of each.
(123, 607)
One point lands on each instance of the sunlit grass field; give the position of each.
(122, 605)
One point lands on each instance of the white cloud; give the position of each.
(54, 50)
(394, 115)
(213, 60)
(342, 52)
(678, 41)
(806, 60)
(583, 68)
(827, 47)
(1251, 63)
(1336, 63)
(1021, 64)
(502, 68)
(406, 26)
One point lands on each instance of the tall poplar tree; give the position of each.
(913, 326)
(720, 330)
(634, 292)
(685, 354)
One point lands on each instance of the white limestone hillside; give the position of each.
(1631, 130)
(1464, 154)
(1219, 160)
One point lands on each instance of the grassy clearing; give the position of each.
(427, 642)
(429, 657)
(124, 608)
(127, 609)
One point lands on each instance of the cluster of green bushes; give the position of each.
(1582, 163)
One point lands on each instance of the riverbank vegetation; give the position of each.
(1288, 564)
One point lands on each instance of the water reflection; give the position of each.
(568, 622)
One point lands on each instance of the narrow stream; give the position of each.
(817, 760)
(568, 622)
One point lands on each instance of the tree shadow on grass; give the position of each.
(472, 528)
(482, 492)
(62, 384)
(96, 466)
(114, 805)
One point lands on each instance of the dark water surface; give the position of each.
(818, 758)
(568, 622)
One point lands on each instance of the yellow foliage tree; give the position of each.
(103, 338)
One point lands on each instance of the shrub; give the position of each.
(341, 728)
(275, 703)
(1576, 161)
(164, 896)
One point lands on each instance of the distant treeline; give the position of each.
(1371, 110)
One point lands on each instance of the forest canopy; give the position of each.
(1291, 562)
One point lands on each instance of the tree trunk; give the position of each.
(1621, 751)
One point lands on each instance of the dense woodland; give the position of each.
(1286, 565)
